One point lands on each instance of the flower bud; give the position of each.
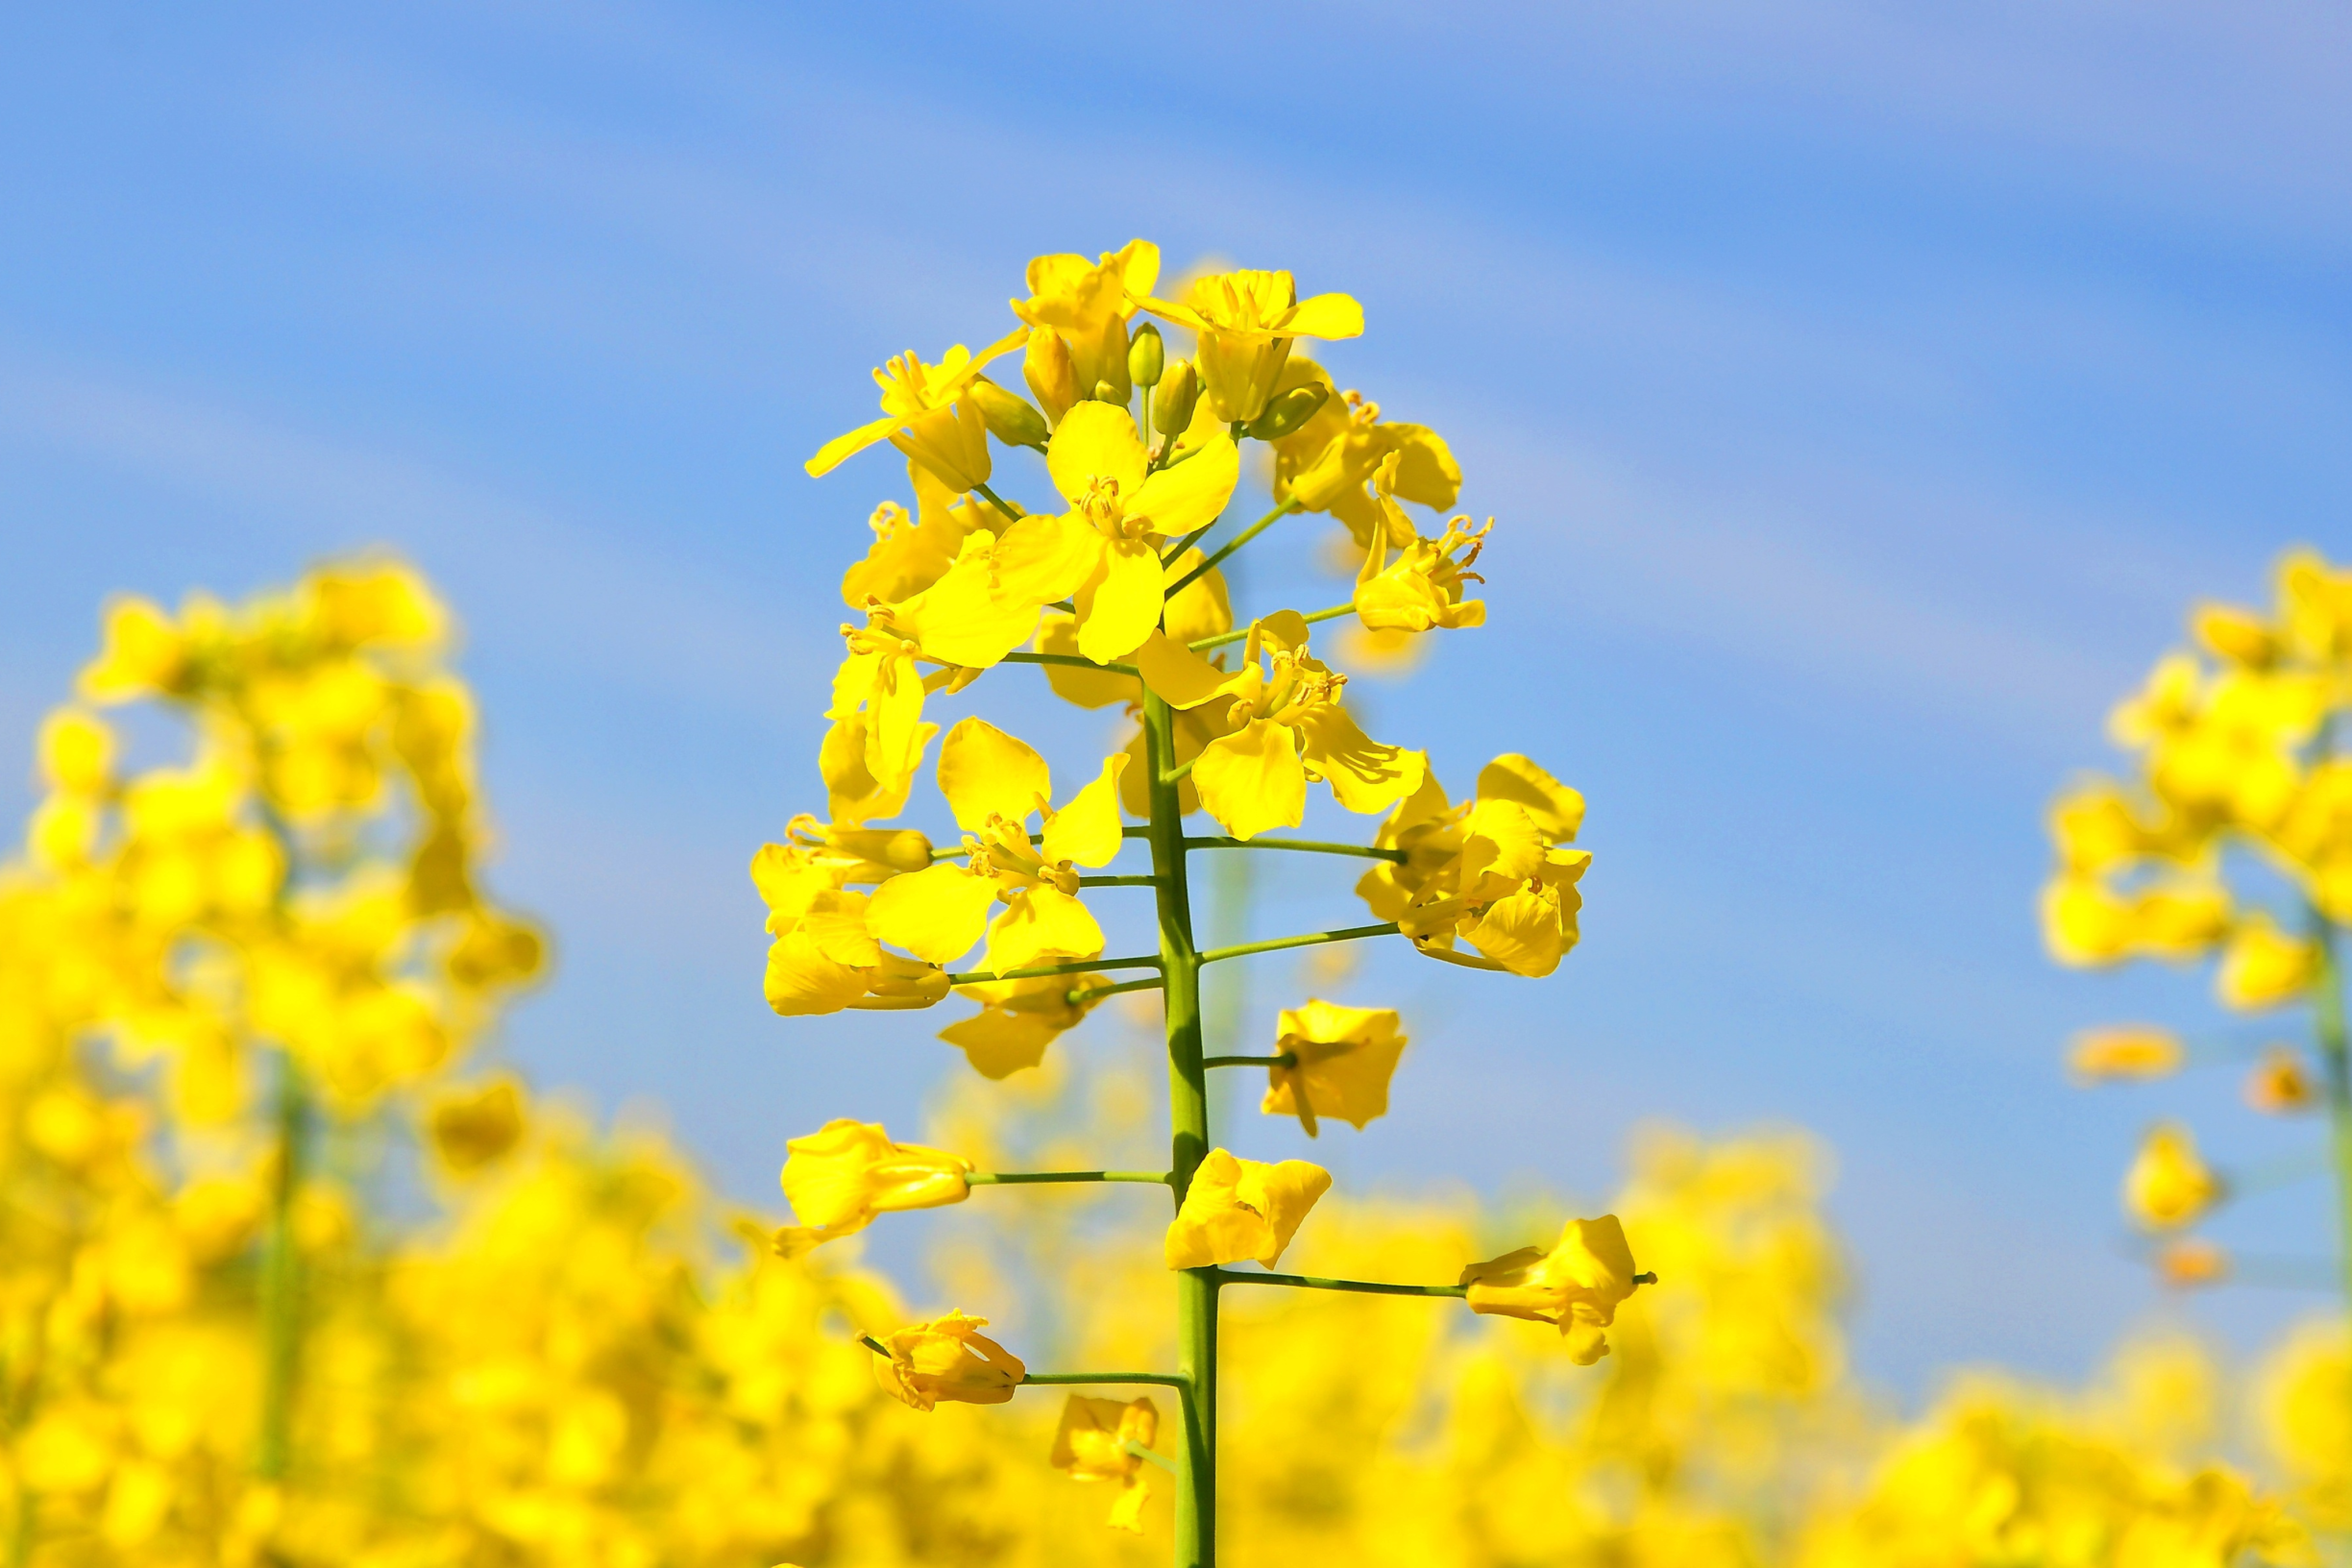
(1108, 392)
(1010, 417)
(1052, 379)
(1173, 399)
(1146, 355)
(1288, 412)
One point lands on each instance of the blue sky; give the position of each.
(1863, 393)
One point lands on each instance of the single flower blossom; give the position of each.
(838, 1177)
(2132, 1050)
(1246, 322)
(1237, 1209)
(1577, 1286)
(1092, 1443)
(948, 1358)
(994, 783)
(1086, 305)
(1103, 554)
(2280, 1084)
(2169, 1185)
(929, 414)
(2263, 967)
(1341, 1061)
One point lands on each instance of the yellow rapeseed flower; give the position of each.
(927, 415)
(838, 1177)
(1018, 1019)
(2263, 967)
(1576, 1285)
(1092, 1444)
(948, 1358)
(475, 1128)
(1247, 322)
(1239, 1209)
(2169, 1185)
(1086, 305)
(994, 783)
(1341, 1061)
(2280, 1084)
(2130, 1050)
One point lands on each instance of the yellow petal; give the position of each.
(1087, 831)
(1041, 926)
(937, 915)
(1253, 779)
(1557, 808)
(1086, 688)
(1524, 933)
(1191, 494)
(1176, 674)
(1000, 1043)
(963, 618)
(1119, 608)
(1202, 608)
(801, 981)
(1096, 441)
(984, 772)
(1044, 560)
(1364, 775)
(833, 453)
(1326, 316)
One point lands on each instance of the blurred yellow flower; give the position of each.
(948, 1358)
(1239, 1209)
(1578, 1286)
(2188, 1261)
(2262, 967)
(1342, 1058)
(1091, 1445)
(2169, 1186)
(2129, 1050)
(2280, 1084)
(472, 1129)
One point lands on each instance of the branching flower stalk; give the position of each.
(1119, 607)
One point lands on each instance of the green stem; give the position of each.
(1332, 614)
(1196, 1288)
(2336, 1057)
(1305, 846)
(1217, 955)
(1369, 1288)
(1025, 1178)
(1000, 502)
(1150, 982)
(1152, 1456)
(281, 1284)
(1176, 774)
(1236, 542)
(1163, 1380)
(1118, 882)
(1072, 661)
(1074, 967)
(1287, 1059)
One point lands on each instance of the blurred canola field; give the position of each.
(293, 1273)
(287, 1278)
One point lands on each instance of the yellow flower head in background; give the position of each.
(2186, 1263)
(2263, 967)
(994, 783)
(1247, 322)
(1239, 1209)
(1341, 1061)
(1091, 1445)
(2280, 1084)
(1577, 1286)
(2130, 1050)
(838, 1177)
(2168, 1184)
(473, 1129)
(948, 1358)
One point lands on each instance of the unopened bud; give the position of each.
(1173, 399)
(1109, 363)
(1010, 417)
(1289, 411)
(1052, 379)
(1108, 392)
(1146, 355)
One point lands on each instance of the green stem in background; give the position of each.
(1313, 939)
(1332, 614)
(281, 1282)
(1236, 542)
(1024, 1178)
(1196, 1288)
(1151, 1456)
(1162, 1380)
(1072, 661)
(2336, 1059)
(1369, 1288)
(1147, 983)
(1117, 882)
(1363, 851)
(1287, 1059)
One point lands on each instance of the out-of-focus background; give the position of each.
(1861, 393)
